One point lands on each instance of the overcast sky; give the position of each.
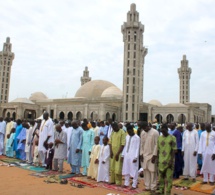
(54, 40)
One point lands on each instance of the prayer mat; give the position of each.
(66, 176)
(184, 183)
(10, 160)
(40, 175)
(203, 188)
(33, 168)
(52, 179)
(121, 189)
(44, 174)
(83, 180)
(50, 172)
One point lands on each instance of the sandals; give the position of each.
(77, 185)
(63, 181)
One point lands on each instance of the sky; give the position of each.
(54, 40)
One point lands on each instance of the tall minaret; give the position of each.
(85, 78)
(184, 76)
(6, 60)
(134, 55)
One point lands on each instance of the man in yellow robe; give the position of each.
(117, 143)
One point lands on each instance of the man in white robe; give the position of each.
(207, 153)
(46, 135)
(148, 155)
(60, 152)
(9, 126)
(130, 157)
(2, 134)
(190, 143)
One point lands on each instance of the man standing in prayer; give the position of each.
(17, 132)
(130, 157)
(117, 143)
(148, 155)
(178, 156)
(199, 160)
(2, 134)
(46, 135)
(102, 131)
(95, 128)
(33, 125)
(207, 153)
(87, 144)
(172, 128)
(75, 143)
(60, 152)
(190, 145)
(9, 126)
(166, 156)
(22, 141)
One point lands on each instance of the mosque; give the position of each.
(100, 99)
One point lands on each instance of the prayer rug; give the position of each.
(33, 168)
(44, 174)
(52, 179)
(10, 160)
(203, 188)
(83, 180)
(121, 189)
(184, 183)
(50, 172)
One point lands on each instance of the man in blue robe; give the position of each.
(22, 139)
(74, 147)
(103, 131)
(179, 162)
(18, 130)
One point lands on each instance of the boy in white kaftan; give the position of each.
(130, 156)
(104, 162)
(94, 156)
(190, 143)
(207, 151)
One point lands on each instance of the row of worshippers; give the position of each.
(195, 146)
(124, 153)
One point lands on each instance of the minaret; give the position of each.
(85, 78)
(184, 76)
(134, 55)
(6, 60)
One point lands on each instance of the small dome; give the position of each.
(38, 96)
(93, 89)
(175, 105)
(155, 102)
(112, 92)
(23, 100)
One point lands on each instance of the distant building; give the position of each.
(101, 100)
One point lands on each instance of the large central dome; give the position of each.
(93, 89)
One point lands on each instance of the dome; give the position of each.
(112, 92)
(93, 89)
(175, 105)
(23, 100)
(38, 96)
(155, 102)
